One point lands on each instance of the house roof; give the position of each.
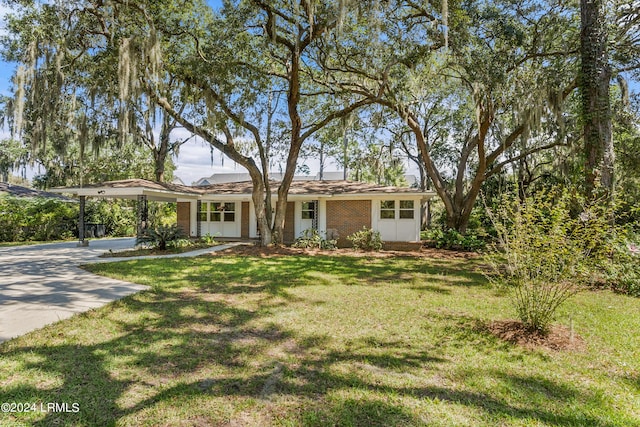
(24, 192)
(219, 178)
(327, 188)
(132, 188)
(165, 191)
(143, 183)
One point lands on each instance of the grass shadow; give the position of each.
(205, 335)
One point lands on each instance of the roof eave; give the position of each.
(125, 193)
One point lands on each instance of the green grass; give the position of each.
(322, 340)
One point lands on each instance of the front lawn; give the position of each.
(321, 340)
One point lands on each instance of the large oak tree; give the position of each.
(469, 98)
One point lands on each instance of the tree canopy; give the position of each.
(468, 90)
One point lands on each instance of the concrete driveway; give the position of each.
(42, 284)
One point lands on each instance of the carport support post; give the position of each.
(143, 215)
(198, 221)
(81, 241)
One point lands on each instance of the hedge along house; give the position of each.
(336, 209)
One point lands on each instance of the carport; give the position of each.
(140, 190)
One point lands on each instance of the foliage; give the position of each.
(170, 61)
(11, 218)
(620, 270)
(488, 99)
(118, 216)
(37, 219)
(52, 219)
(161, 213)
(208, 239)
(468, 88)
(452, 239)
(546, 255)
(607, 252)
(627, 146)
(111, 162)
(12, 154)
(366, 239)
(161, 236)
(357, 146)
(311, 239)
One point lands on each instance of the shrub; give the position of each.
(612, 249)
(545, 256)
(181, 242)
(51, 219)
(311, 239)
(161, 213)
(37, 219)
(366, 239)
(208, 239)
(11, 219)
(118, 216)
(452, 239)
(622, 271)
(161, 236)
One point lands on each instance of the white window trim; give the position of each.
(396, 209)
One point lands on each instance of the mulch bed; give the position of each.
(273, 251)
(559, 338)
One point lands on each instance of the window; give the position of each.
(229, 212)
(308, 210)
(225, 212)
(215, 212)
(388, 209)
(218, 212)
(406, 209)
(202, 214)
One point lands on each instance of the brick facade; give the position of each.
(184, 216)
(244, 221)
(289, 235)
(346, 217)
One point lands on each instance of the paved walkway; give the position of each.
(41, 284)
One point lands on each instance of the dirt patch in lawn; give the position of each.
(274, 251)
(559, 338)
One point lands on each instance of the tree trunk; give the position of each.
(321, 171)
(594, 89)
(459, 205)
(458, 219)
(293, 99)
(259, 196)
(162, 151)
(158, 169)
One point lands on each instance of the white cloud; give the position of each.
(194, 162)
